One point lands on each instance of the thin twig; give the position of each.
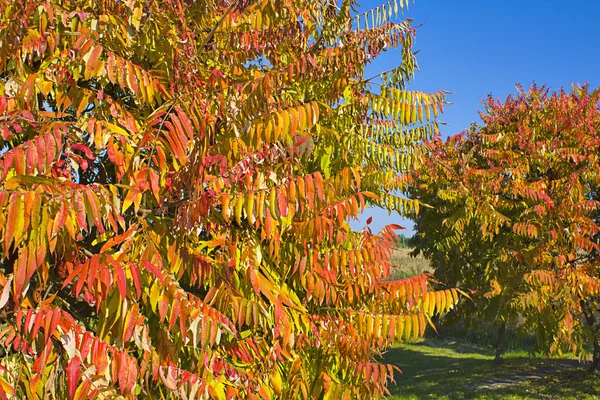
(162, 123)
(219, 22)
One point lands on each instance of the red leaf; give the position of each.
(61, 218)
(218, 73)
(31, 158)
(86, 344)
(83, 148)
(369, 220)
(283, 204)
(121, 280)
(174, 141)
(395, 226)
(131, 78)
(303, 138)
(186, 122)
(84, 272)
(80, 211)
(51, 148)
(152, 269)
(127, 373)
(40, 145)
(180, 131)
(135, 275)
(37, 324)
(51, 324)
(110, 68)
(73, 374)
(93, 272)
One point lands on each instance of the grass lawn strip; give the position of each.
(438, 369)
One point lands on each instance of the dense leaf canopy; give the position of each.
(177, 181)
(514, 214)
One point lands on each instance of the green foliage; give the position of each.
(405, 242)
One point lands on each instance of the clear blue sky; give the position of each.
(477, 47)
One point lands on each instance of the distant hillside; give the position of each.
(405, 265)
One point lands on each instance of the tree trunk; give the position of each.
(595, 367)
(591, 320)
(501, 344)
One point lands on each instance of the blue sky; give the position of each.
(476, 47)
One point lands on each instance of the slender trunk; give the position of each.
(590, 318)
(501, 344)
(595, 367)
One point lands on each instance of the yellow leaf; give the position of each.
(250, 208)
(415, 326)
(239, 206)
(407, 328)
(495, 289)
(6, 387)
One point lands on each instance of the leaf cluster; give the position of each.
(514, 212)
(177, 181)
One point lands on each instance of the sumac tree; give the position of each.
(514, 214)
(177, 180)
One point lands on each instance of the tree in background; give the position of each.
(513, 211)
(405, 242)
(176, 188)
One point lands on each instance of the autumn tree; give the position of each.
(513, 214)
(177, 180)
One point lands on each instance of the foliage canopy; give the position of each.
(177, 180)
(515, 213)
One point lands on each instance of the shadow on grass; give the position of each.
(438, 372)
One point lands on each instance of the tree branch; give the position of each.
(219, 22)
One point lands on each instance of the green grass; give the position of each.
(436, 369)
(443, 369)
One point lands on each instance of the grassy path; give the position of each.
(438, 369)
